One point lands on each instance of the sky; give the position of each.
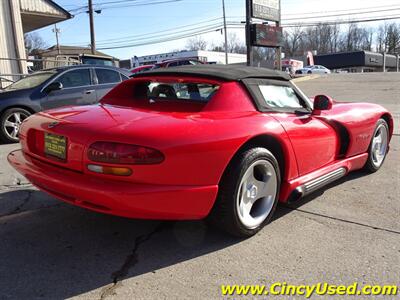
(134, 23)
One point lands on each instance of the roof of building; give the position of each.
(224, 72)
(355, 59)
(40, 13)
(70, 50)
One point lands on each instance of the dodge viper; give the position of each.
(222, 142)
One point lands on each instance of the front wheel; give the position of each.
(248, 193)
(378, 147)
(10, 122)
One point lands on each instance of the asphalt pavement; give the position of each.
(348, 232)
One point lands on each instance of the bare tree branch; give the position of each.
(196, 43)
(34, 42)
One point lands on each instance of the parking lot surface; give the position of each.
(348, 232)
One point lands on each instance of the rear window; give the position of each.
(161, 91)
(107, 76)
(171, 96)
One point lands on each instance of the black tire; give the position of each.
(4, 137)
(309, 72)
(224, 213)
(370, 166)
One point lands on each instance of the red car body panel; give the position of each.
(359, 119)
(141, 69)
(167, 63)
(116, 197)
(315, 143)
(198, 142)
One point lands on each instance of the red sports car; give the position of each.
(224, 142)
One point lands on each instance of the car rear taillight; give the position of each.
(117, 153)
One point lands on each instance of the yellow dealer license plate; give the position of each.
(55, 145)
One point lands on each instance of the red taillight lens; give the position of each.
(117, 153)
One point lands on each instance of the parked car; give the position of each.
(141, 69)
(177, 63)
(316, 69)
(72, 85)
(223, 142)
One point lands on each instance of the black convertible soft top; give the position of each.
(224, 72)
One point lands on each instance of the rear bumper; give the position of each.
(125, 199)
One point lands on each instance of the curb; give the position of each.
(305, 78)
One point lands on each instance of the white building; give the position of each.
(18, 17)
(205, 56)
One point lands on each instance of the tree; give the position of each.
(293, 40)
(335, 38)
(382, 38)
(34, 42)
(264, 57)
(393, 38)
(325, 34)
(331, 38)
(196, 43)
(356, 38)
(235, 45)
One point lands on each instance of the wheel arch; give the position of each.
(26, 107)
(389, 120)
(269, 142)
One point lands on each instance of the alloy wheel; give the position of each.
(257, 192)
(13, 123)
(379, 145)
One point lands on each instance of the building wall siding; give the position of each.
(11, 40)
(39, 6)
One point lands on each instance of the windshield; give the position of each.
(30, 81)
(97, 61)
(301, 93)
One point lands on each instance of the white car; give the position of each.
(316, 69)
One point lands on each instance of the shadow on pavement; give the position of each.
(59, 251)
(351, 176)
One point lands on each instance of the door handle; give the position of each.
(89, 92)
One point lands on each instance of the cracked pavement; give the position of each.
(348, 232)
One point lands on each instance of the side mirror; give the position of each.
(54, 86)
(322, 102)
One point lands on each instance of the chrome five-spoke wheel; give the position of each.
(248, 192)
(11, 121)
(257, 193)
(379, 145)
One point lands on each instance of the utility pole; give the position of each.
(225, 32)
(57, 31)
(92, 37)
(248, 34)
(279, 49)
(384, 62)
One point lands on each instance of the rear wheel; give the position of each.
(10, 122)
(248, 193)
(378, 147)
